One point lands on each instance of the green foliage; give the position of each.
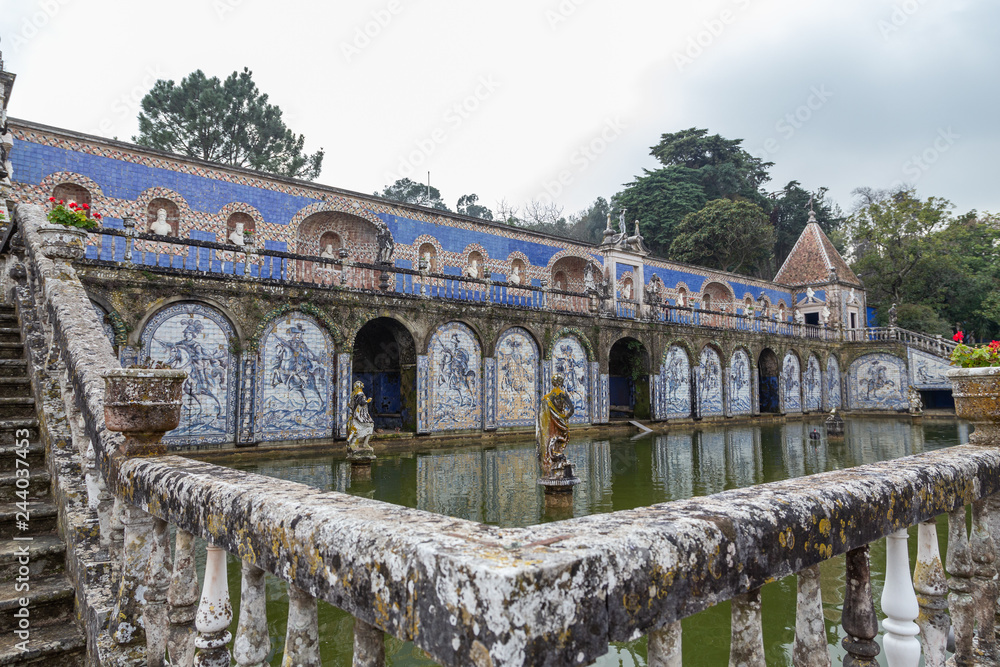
(659, 199)
(467, 206)
(726, 235)
(223, 121)
(71, 215)
(982, 356)
(410, 192)
(919, 317)
(588, 225)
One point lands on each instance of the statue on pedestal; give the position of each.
(359, 425)
(328, 252)
(386, 245)
(515, 276)
(551, 436)
(892, 315)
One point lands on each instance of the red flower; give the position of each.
(958, 337)
(86, 207)
(72, 204)
(52, 198)
(60, 201)
(995, 346)
(97, 215)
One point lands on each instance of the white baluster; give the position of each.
(155, 618)
(747, 647)
(302, 637)
(252, 641)
(664, 648)
(810, 648)
(899, 603)
(215, 613)
(182, 601)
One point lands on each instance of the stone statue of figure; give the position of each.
(328, 252)
(826, 314)
(160, 225)
(627, 290)
(359, 424)
(810, 294)
(621, 223)
(236, 238)
(799, 317)
(386, 245)
(427, 260)
(515, 276)
(681, 301)
(588, 278)
(852, 297)
(552, 428)
(892, 315)
(472, 270)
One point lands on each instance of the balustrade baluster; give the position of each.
(215, 613)
(932, 590)
(747, 648)
(369, 645)
(858, 617)
(961, 587)
(252, 639)
(664, 648)
(981, 547)
(155, 619)
(117, 543)
(182, 598)
(302, 638)
(810, 648)
(899, 604)
(125, 624)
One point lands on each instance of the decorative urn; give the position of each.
(61, 242)
(143, 404)
(977, 399)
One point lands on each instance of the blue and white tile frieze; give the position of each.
(877, 382)
(709, 383)
(675, 383)
(490, 392)
(455, 374)
(791, 385)
(423, 393)
(296, 382)
(928, 371)
(247, 402)
(570, 359)
(604, 393)
(517, 378)
(195, 338)
(833, 399)
(812, 389)
(740, 399)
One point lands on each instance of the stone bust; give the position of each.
(328, 251)
(160, 225)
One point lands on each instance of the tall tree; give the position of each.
(726, 235)
(229, 122)
(410, 192)
(659, 200)
(467, 205)
(588, 225)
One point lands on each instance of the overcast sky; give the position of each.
(560, 99)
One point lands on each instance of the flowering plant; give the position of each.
(72, 214)
(982, 356)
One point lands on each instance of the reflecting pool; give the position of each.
(494, 483)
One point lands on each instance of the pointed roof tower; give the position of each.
(813, 258)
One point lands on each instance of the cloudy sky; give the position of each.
(552, 99)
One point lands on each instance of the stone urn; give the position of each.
(143, 404)
(61, 242)
(977, 399)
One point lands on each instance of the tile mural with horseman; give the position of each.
(675, 383)
(877, 381)
(295, 380)
(195, 338)
(570, 359)
(517, 378)
(455, 378)
(791, 386)
(812, 382)
(740, 399)
(709, 383)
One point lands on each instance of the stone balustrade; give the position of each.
(471, 594)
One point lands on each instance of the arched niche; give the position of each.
(791, 383)
(740, 397)
(68, 192)
(570, 359)
(455, 378)
(812, 385)
(674, 395)
(172, 212)
(628, 379)
(569, 271)
(709, 383)
(355, 233)
(834, 399)
(384, 359)
(428, 253)
(717, 296)
(249, 225)
(769, 372)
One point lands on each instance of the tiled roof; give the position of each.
(811, 259)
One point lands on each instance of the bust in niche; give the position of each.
(328, 252)
(160, 225)
(515, 276)
(236, 237)
(472, 270)
(427, 260)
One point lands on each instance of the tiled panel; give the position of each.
(877, 382)
(928, 371)
(603, 393)
(833, 398)
(490, 392)
(517, 378)
(791, 384)
(740, 402)
(675, 384)
(454, 395)
(812, 385)
(570, 359)
(247, 399)
(195, 338)
(709, 385)
(344, 375)
(423, 393)
(296, 382)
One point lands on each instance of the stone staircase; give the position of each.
(54, 636)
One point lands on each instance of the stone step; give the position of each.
(42, 555)
(32, 456)
(12, 430)
(43, 517)
(51, 601)
(15, 386)
(64, 645)
(13, 367)
(17, 407)
(9, 334)
(37, 487)
(11, 350)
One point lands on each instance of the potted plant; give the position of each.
(65, 237)
(143, 402)
(975, 385)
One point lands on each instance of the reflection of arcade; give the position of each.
(628, 382)
(384, 359)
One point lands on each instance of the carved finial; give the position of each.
(812, 212)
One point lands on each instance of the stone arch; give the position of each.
(334, 205)
(572, 331)
(476, 252)
(454, 358)
(198, 339)
(518, 360)
(628, 378)
(791, 382)
(71, 192)
(321, 317)
(524, 270)
(739, 381)
(239, 339)
(178, 212)
(384, 359)
(682, 294)
(415, 252)
(781, 311)
(356, 232)
(812, 385)
(53, 180)
(241, 212)
(716, 295)
(295, 387)
(709, 392)
(673, 394)
(832, 391)
(769, 381)
(571, 356)
(570, 271)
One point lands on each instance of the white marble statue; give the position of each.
(826, 314)
(236, 238)
(427, 260)
(799, 317)
(627, 291)
(328, 252)
(515, 276)
(160, 225)
(472, 270)
(810, 294)
(559, 284)
(852, 297)
(681, 300)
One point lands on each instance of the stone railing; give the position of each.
(933, 344)
(470, 594)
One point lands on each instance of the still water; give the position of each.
(495, 484)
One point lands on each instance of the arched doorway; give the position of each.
(628, 371)
(768, 370)
(385, 360)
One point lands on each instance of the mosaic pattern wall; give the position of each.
(296, 381)
(833, 398)
(877, 382)
(570, 358)
(675, 384)
(517, 361)
(791, 385)
(709, 385)
(740, 402)
(812, 385)
(195, 338)
(454, 378)
(928, 371)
